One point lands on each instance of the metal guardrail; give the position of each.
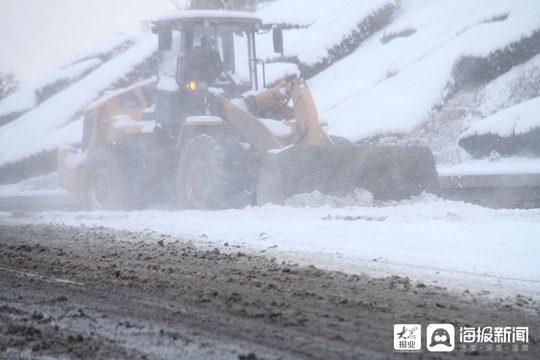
(508, 191)
(489, 181)
(33, 201)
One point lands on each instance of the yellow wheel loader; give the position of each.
(201, 134)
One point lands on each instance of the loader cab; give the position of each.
(202, 52)
(211, 48)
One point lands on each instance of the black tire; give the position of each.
(212, 175)
(105, 183)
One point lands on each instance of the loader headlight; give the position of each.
(195, 86)
(192, 85)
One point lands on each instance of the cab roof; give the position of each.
(212, 15)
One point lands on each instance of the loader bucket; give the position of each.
(388, 172)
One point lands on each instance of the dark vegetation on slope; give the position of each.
(481, 146)
(35, 165)
(472, 72)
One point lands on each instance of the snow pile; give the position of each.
(360, 197)
(34, 184)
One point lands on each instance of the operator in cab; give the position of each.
(203, 63)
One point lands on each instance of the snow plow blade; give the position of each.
(388, 172)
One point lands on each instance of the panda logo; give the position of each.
(440, 337)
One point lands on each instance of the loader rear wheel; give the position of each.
(212, 174)
(105, 184)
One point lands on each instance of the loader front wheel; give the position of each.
(211, 174)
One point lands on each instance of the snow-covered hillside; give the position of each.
(376, 69)
(47, 125)
(429, 52)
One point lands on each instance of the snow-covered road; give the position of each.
(455, 245)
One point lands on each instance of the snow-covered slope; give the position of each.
(389, 87)
(322, 33)
(49, 125)
(32, 95)
(380, 68)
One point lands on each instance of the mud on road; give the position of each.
(96, 293)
